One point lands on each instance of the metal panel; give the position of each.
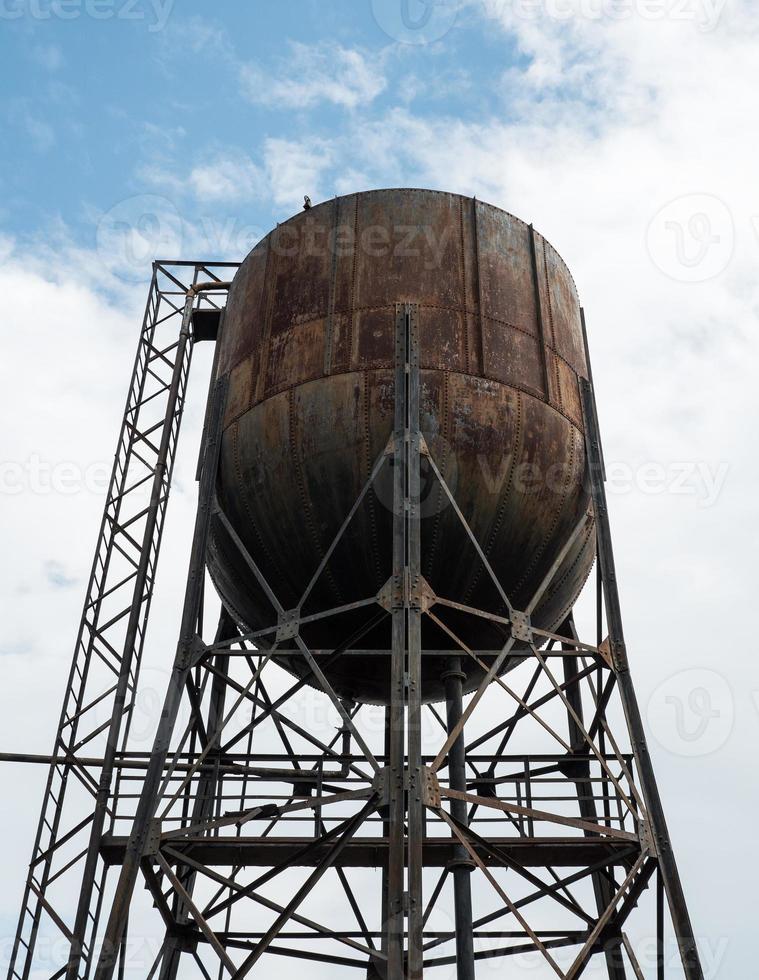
(483, 283)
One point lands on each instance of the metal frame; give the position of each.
(578, 831)
(105, 667)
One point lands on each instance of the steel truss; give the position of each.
(257, 834)
(93, 731)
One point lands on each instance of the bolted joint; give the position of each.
(614, 654)
(619, 656)
(647, 837)
(422, 595)
(429, 787)
(190, 654)
(604, 651)
(382, 786)
(403, 589)
(521, 627)
(289, 625)
(153, 839)
(390, 596)
(422, 781)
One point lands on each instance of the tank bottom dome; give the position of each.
(292, 468)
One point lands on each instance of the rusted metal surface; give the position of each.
(308, 346)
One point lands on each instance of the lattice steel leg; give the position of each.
(187, 647)
(159, 489)
(105, 666)
(667, 864)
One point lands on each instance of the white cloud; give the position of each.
(295, 168)
(323, 72)
(227, 178)
(73, 329)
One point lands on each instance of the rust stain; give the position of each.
(308, 344)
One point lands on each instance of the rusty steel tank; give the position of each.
(308, 344)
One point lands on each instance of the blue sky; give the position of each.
(625, 129)
(96, 109)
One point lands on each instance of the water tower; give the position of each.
(395, 756)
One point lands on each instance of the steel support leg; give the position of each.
(667, 864)
(148, 801)
(416, 810)
(204, 798)
(394, 926)
(158, 490)
(405, 707)
(462, 865)
(97, 709)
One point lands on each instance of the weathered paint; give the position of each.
(308, 345)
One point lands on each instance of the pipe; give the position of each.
(204, 287)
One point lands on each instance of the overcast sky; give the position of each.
(626, 131)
